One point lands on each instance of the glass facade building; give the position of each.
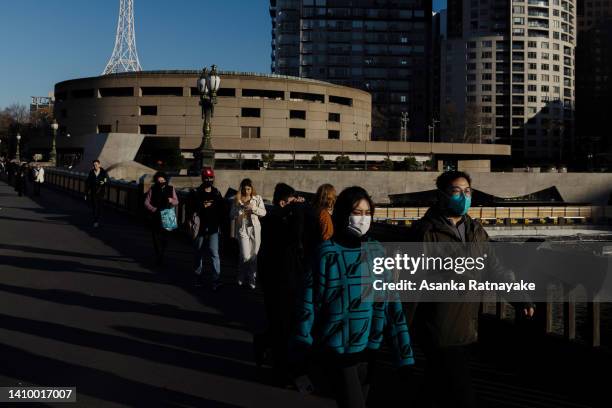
(381, 46)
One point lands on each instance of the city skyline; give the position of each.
(53, 38)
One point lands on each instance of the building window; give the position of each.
(333, 134)
(222, 92)
(340, 100)
(297, 132)
(250, 112)
(263, 94)
(148, 111)
(250, 132)
(148, 129)
(334, 117)
(403, 98)
(304, 96)
(105, 128)
(82, 93)
(161, 91)
(116, 92)
(297, 114)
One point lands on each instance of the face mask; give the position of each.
(459, 204)
(208, 183)
(359, 225)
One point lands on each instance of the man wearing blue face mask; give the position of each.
(446, 329)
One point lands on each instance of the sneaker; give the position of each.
(96, 224)
(252, 286)
(216, 286)
(239, 282)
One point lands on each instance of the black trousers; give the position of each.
(351, 384)
(96, 206)
(37, 188)
(448, 379)
(160, 241)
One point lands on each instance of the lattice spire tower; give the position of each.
(125, 56)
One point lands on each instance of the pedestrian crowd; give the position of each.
(312, 260)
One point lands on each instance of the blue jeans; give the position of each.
(208, 244)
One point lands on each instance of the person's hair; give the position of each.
(159, 174)
(446, 179)
(282, 192)
(96, 161)
(245, 183)
(347, 200)
(325, 197)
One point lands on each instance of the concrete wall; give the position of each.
(591, 188)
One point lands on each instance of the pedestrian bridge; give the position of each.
(88, 308)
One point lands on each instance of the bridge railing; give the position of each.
(129, 197)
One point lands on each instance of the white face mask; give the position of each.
(359, 224)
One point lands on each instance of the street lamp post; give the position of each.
(53, 155)
(479, 133)
(17, 156)
(208, 85)
(405, 119)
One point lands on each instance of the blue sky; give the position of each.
(44, 42)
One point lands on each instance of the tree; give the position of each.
(342, 162)
(388, 164)
(410, 163)
(317, 160)
(268, 159)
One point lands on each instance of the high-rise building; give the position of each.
(381, 46)
(594, 81)
(508, 76)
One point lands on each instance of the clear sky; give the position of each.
(44, 42)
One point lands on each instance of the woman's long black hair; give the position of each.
(345, 204)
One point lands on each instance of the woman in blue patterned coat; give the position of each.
(345, 324)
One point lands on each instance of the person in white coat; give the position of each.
(38, 176)
(247, 209)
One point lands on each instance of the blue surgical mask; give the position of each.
(459, 204)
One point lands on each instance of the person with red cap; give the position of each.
(209, 207)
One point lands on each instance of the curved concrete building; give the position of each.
(165, 104)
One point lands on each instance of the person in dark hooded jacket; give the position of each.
(446, 329)
(161, 196)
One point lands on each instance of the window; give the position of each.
(403, 98)
(148, 129)
(296, 132)
(333, 134)
(297, 114)
(250, 132)
(340, 100)
(105, 129)
(304, 96)
(334, 117)
(250, 112)
(148, 111)
(117, 92)
(222, 92)
(161, 91)
(83, 93)
(263, 94)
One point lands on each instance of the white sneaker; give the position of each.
(240, 282)
(252, 286)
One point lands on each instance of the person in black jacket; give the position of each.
(161, 196)
(446, 329)
(210, 207)
(286, 244)
(95, 187)
(21, 176)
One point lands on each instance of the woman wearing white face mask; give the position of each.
(343, 324)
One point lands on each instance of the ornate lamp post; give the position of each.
(17, 156)
(53, 155)
(208, 85)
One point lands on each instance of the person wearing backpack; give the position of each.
(160, 202)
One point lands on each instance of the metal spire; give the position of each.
(125, 56)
